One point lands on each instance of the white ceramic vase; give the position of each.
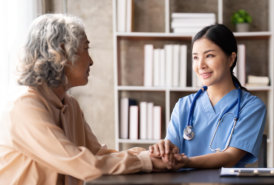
(242, 27)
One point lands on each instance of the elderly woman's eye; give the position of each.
(195, 58)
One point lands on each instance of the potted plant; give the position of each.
(241, 19)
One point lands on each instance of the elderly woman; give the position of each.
(48, 140)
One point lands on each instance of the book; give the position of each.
(121, 15)
(129, 19)
(183, 66)
(169, 61)
(148, 64)
(150, 123)
(187, 30)
(156, 67)
(257, 80)
(133, 122)
(162, 68)
(193, 15)
(157, 121)
(195, 80)
(175, 67)
(191, 23)
(125, 103)
(241, 64)
(143, 120)
(235, 71)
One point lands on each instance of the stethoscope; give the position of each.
(188, 131)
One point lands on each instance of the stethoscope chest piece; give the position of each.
(188, 133)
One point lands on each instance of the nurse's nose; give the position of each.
(202, 63)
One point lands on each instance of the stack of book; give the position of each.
(165, 66)
(191, 23)
(253, 80)
(141, 121)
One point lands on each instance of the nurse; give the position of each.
(220, 125)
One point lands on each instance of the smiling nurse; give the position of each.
(222, 124)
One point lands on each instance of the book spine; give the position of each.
(124, 118)
(169, 61)
(121, 15)
(193, 15)
(148, 64)
(191, 23)
(150, 122)
(156, 69)
(162, 68)
(258, 80)
(157, 121)
(143, 120)
(129, 8)
(133, 122)
(183, 65)
(175, 70)
(241, 64)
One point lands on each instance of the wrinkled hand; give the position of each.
(164, 150)
(159, 164)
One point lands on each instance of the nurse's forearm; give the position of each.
(228, 158)
(210, 161)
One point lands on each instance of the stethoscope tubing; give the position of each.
(189, 126)
(189, 119)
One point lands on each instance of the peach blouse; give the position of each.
(44, 141)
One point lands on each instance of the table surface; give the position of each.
(208, 176)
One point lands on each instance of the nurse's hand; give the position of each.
(164, 149)
(181, 161)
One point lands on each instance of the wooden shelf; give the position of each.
(183, 89)
(263, 34)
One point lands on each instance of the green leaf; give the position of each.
(241, 16)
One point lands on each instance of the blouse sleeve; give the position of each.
(34, 133)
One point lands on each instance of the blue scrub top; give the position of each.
(247, 134)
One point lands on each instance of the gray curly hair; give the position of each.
(53, 40)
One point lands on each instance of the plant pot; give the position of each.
(242, 27)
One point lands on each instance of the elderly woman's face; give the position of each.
(78, 72)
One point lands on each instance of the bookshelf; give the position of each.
(151, 21)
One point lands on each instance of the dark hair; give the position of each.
(224, 38)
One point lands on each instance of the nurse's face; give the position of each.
(78, 72)
(210, 63)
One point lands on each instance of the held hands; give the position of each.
(165, 155)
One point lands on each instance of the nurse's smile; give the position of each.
(206, 75)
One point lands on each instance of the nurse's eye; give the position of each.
(210, 56)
